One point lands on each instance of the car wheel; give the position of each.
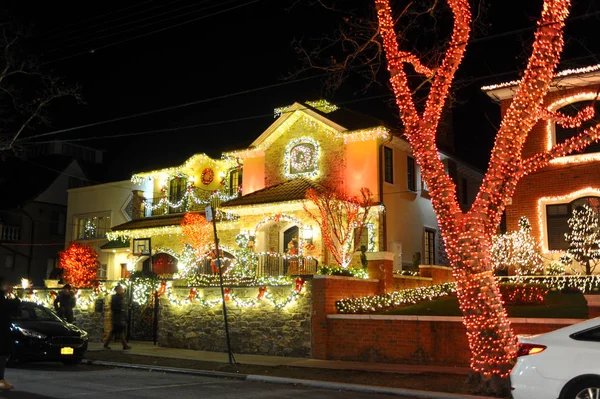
(71, 362)
(588, 388)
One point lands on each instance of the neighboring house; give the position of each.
(92, 212)
(549, 196)
(33, 211)
(260, 192)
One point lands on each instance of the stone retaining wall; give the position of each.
(260, 329)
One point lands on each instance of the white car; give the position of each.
(562, 364)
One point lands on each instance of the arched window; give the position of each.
(557, 216)
(563, 133)
(302, 158)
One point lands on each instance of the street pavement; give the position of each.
(48, 380)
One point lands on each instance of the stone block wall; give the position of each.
(260, 329)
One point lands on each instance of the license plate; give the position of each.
(66, 351)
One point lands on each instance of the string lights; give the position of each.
(79, 263)
(322, 105)
(301, 158)
(467, 236)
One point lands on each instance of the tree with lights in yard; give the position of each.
(197, 232)
(468, 235)
(341, 218)
(584, 238)
(80, 265)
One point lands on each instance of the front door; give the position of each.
(289, 235)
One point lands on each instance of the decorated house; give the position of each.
(259, 197)
(549, 196)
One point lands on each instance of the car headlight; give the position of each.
(30, 333)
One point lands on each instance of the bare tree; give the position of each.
(26, 91)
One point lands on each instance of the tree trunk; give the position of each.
(588, 268)
(491, 340)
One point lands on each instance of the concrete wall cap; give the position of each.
(413, 277)
(435, 267)
(326, 276)
(380, 256)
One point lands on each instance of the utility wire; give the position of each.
(151, 33)
(97, 38)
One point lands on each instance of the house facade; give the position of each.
(259, 194)
(548, 196)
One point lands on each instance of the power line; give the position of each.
(98, 38)
(151, 33)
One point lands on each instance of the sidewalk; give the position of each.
(148, 349)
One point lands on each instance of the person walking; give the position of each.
(8, 307)
(118, 310)
(64, 303)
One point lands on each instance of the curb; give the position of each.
(291, 381)
(414, 393)
(174, 370)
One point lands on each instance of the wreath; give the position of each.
(208, 176)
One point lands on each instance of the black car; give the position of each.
(40, 335)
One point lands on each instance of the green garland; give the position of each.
(341, 271)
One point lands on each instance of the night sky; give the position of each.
(242, 49)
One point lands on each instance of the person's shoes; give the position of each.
(106, 346)
(126, 347)
(5, 385)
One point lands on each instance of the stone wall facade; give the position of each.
(260, 329)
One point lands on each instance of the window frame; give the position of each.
(429, 236)
(577, 336)
(566, 216)
(388, 165)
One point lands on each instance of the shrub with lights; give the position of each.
(468, 235)
(343, 271)
(80, 265)
(583, 239)
(518, 251)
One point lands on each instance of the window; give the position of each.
(388, 164)
(9, 261)
(410, 174)
(91, 227)
(235, 181)
(177, 189)
(363, 239)
(102, 271)
(562, 134)
(557, 217)
(591, 334)
(57, 223)
(301, 158)
(429, 247)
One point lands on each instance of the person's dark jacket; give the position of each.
(8, 308)
(64, 304)
(118, 308)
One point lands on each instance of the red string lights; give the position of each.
(80, 264)
(467, 236)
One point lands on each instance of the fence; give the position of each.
(274, 264)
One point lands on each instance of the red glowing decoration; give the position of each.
(261, 292)
(467, 236)
(197, 232)
(227, 292)
(80, 265)
(207, 177)
(299, 285)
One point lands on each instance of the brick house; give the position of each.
(548, 196)
(260, 192)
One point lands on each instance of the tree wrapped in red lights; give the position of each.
(197, 232)
(468, 235)
(80, 265)
(341, 218)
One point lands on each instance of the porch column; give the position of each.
(137, 205)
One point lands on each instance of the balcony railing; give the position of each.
(274, 264)
(9, 233)
(195, 200)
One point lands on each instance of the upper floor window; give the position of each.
(235, 181)
(91, 227)
(301, 158)
(388, 164)
(429, 247)
(561, 133)
(411, 175)
(557, 217)
(177, 189)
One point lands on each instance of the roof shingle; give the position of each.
(290, 190)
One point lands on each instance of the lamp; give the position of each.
(307, 234)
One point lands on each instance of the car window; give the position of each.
(591, 334)
(36, 313)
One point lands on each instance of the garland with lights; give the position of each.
(322, 105)
(340, 271)
(584, 284)
(467, 236)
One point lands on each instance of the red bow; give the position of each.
(261, 292)
(193, 292)
(227, 291)
(299, 284)
(53, 294)
(97, 287)
(163, 288)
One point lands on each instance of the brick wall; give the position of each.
(410, 339)
(438, 274)
(406, 282)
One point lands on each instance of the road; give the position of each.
(42, 381)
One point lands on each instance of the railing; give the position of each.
(195, 200)
(274, 264)
(9, 233)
